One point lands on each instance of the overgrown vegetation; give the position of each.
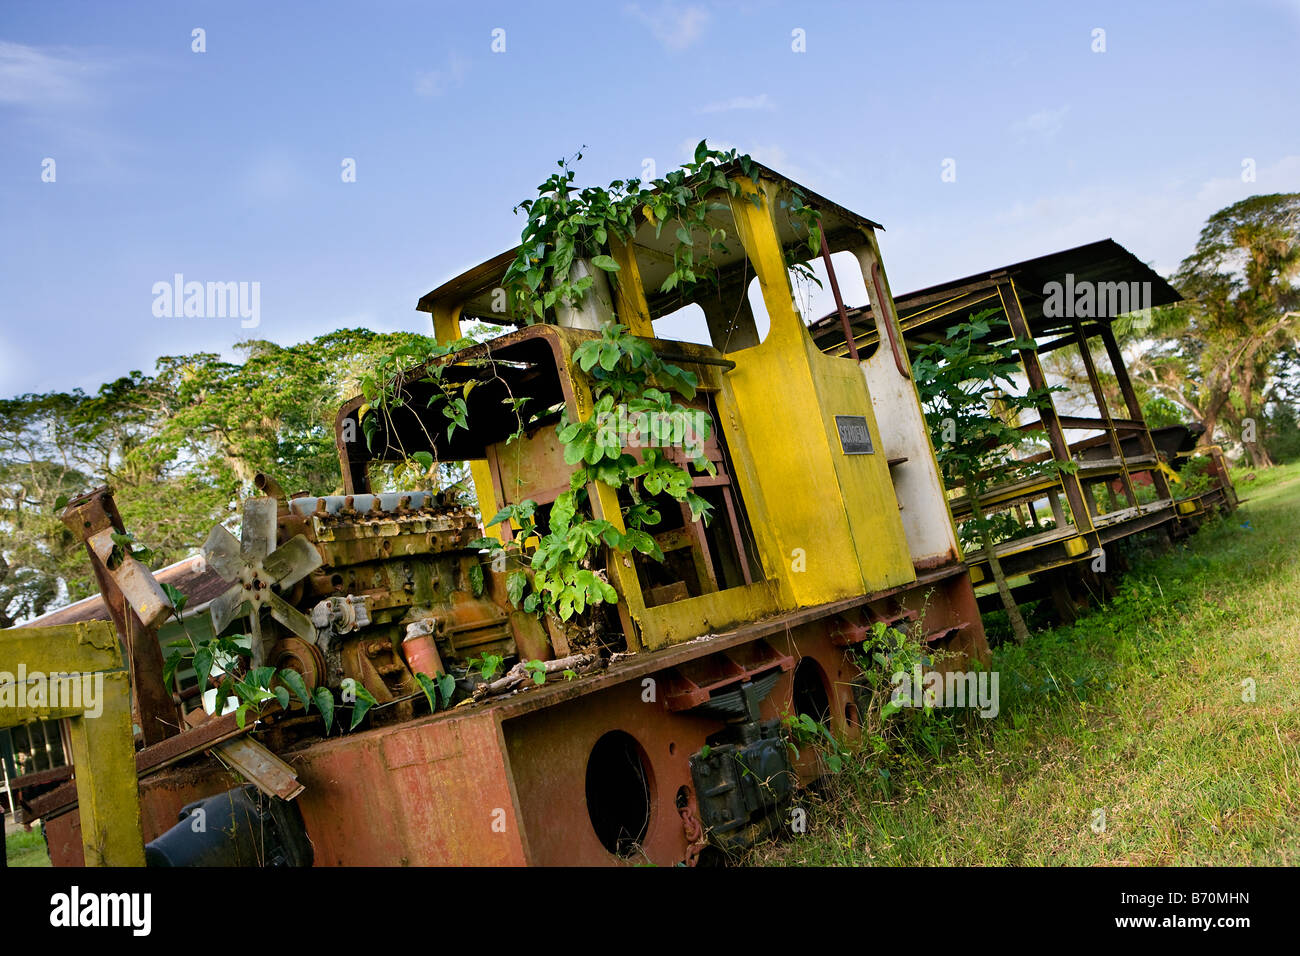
(26, 848)
(180, 446)
(1129, 738)
(973, 405)
(223, 659)
(554, 552)
(560, 575)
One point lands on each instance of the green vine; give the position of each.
(552, 566)
(254, 688)
(559, 578)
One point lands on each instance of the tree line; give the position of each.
(179, 446)
(1227, 355)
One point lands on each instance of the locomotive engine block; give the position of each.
(392, 565)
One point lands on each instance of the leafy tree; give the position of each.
(273, 411)
(178, 447)
(1217, 352)
(1160, 412)
(39, 460)
(1283, 434)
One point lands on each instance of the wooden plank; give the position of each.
(260, 767)
(83, 648)
(111, 834)
(1085, 352)
(40, 778)
(1047, 411)
(95, 514)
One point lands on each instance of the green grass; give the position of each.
(1136, 710)
(26, 848)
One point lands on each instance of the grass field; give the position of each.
(1135, 712)
(26, 849)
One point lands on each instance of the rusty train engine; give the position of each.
(663, 725)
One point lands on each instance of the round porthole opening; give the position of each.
(809, 693)
(618, 792)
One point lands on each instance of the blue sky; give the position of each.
(225, 165)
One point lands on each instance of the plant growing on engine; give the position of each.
(628, 379)
(252, 687)
(438, 690)
(623, 369)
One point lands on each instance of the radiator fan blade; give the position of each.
(292, 618)
(292, 561)
(258, 648)
(225, 607)
(221, 552)
(258, 533)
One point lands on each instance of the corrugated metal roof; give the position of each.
(191, 577)
(1105, 261)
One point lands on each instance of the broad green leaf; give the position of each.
(293, 680)
(430, 689)
(359, 710)
(515, 583)
(325, 703)
(446, 688)
(203, 666)
(175, 596)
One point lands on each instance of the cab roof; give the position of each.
(474, 289)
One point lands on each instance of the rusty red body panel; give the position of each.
(503, 782)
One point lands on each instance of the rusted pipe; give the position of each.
(886, 318)
(839, 302)
(271, 488)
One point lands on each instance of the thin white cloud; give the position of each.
(437, 82)
(760, 102)
(675, 27)
(775, 157)
(1159, 226)
(34, 77)
(1044, 124)
(1282, 176)
(271, 176)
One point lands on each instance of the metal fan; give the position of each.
(258, 573)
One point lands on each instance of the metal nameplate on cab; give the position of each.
(855, 436)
